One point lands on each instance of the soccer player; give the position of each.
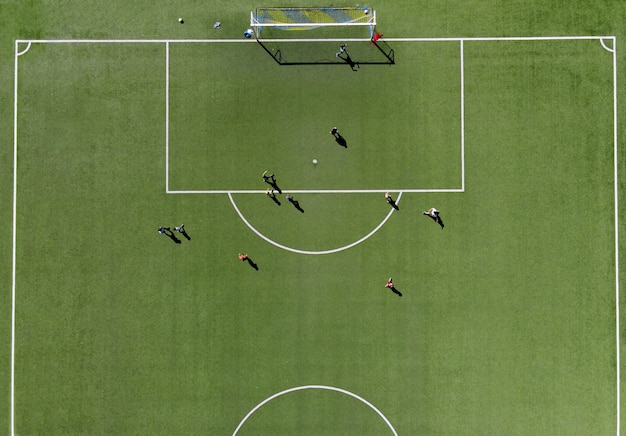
(434, 214)
(342, 50)
(294, 202)
(392, 287)
(268, 178)
(391, 201)
(271, 194)
(182, 230)
(245, 258)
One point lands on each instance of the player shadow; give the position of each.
(393, 204)
(395, 291)
(173, 237)
(274, 186)
(277, 54)
(252, 264)
(348, 60)
(185, 234)
(341, 141)
(272, 195)
(297, 205)
(437, 219)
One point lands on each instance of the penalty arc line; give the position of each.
(328, 388)
(295, 250)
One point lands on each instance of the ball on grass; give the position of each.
(314, 161)
(180, 20)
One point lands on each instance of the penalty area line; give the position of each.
(318, 191)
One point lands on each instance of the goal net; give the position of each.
(320, 35)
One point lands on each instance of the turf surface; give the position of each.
(507, 320)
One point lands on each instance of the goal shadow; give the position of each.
(328, 52)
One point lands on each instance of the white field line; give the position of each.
(606, 47)
(328, 388)
(14, 240)
(461, 39)
(501, 38)
(333, 191)
(616, 193)
(243, 40)
(25, 50)
(462, 118)
(167, 116)
(131, 41)
(313, 191)
(295, 250)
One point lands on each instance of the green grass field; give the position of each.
(507, 322)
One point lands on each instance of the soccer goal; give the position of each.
(297, 36)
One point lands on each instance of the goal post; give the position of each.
(311, 18)
(315, 35)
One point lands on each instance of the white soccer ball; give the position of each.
(314, 161)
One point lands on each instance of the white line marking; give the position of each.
(462, 118)
(25, 50)
(607, 48)
(13, 251)
(131, 41)
(314, 191)
(167, 116)
(295, 250)
(616, 193)
(501, 38)
(328, 388)
(461, 39)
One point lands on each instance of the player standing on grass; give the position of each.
(244, 258)
(181, 229)
(271, 180)
(391, 201)
(342, 50)
(268, 178)
(434, 214)
(391, 286)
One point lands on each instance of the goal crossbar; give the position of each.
(303, 18)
